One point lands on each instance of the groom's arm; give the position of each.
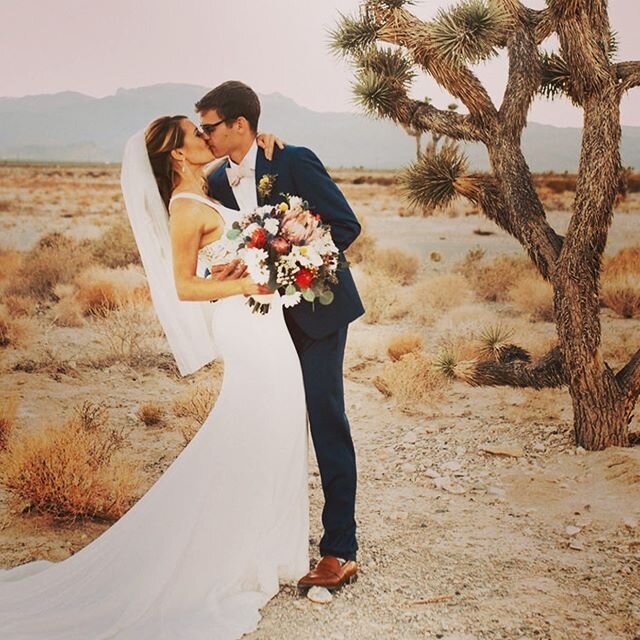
(313, 183)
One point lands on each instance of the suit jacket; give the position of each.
(299, 172)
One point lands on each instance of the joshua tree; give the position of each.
(582, 69)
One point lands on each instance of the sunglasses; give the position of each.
(208, 129)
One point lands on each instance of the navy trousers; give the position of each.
(322, 362)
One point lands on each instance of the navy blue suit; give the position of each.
(319, 333)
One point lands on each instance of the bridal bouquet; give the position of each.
(287, 247)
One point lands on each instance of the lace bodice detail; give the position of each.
(219, 251)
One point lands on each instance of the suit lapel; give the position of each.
(220, 188)
(265, 167)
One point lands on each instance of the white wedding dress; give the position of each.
(198, 555)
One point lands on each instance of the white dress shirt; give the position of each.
(245, 190)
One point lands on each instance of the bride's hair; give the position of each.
(162, 136)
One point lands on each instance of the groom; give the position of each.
(229, 120)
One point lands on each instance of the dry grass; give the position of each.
(13, 332)
(100, 288)
(10, 263)
(533, 295)
(8, 409)
(69, 471)
(437, 293)
(383, 299)
(197, 403)
(620, 288)
(622, 294)
(398, 265)
(116, 247)
(129, 333)
(492, 279)
(403, 344)
(53, 260)
(363, 246)
(411, 380)
(151, 414)
(20, 306)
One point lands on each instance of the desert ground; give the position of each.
(478, 517)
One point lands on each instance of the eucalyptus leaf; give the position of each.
(308, 295)
(326, 297)
(233, 233)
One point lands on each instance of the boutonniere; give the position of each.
(266, 184)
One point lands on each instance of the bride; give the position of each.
(204, 549)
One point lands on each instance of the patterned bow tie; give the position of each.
(236, 173)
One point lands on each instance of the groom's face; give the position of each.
(220, 135)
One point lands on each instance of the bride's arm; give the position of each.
(186, 227)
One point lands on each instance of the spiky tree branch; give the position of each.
(513, 368)
(629, 378)
(399, 27)
(426, 117)
(524, 79)
(628, 73)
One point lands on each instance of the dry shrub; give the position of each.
(8, 409)
(382, 298)
(396, 264)
(197, 403)
(363, 246)
(10, 263)
(116, 247)
(20, 306)
(67, 313)
(466, 320)
(12, 331)
(627, 260)
(438, 293)
(621, 292)
(128, 333)
(535, 296)
(403, 344)
(620, 289)
(412, 379)
(103, 288)
(491, 279)
(69, 471)
(54, 259)
(151, 414)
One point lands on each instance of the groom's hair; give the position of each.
(231, 100)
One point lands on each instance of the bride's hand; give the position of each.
(230, 271)
(268, 141)
(251, 288)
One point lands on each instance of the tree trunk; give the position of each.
(601, 412)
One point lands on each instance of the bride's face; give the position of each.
(196, 150)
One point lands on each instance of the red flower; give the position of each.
(258, 239)
(304, 278)
(280, 245)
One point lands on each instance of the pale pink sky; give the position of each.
(279, 45)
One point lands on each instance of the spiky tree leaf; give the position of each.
(493, 338)
(394, 4)
(431, 181)
(469, 32)
(390, 64)
(555, 76)
(376, 94)
(353, 34)
(612, 45)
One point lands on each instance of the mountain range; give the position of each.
(73, 127)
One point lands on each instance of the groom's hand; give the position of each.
(231, 271)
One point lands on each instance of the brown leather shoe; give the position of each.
(330, 574)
